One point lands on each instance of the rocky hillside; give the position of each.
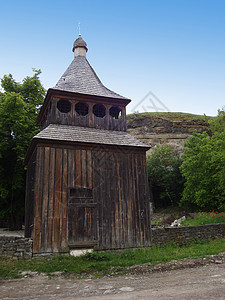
(166, 128)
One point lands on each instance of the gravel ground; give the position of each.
(186, 279)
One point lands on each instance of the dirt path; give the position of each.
(205, 282)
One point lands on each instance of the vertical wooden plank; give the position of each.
(37, 214)
(64, 200)
(101, 182)
(115, 207)
(44, 227)
(128, 183)
(78, 169)
(134, 210)
(124, 118)
(107, 200)
(124, 177)
(51, 199)
(138, 199)
(118, 202)
(107, 117)
(122, 202)
(141, 186)
(89, 169)
(91, 115)
(146, 212)
(71, 168)
(71, 184)
(57, 204)
(83, 168)
(112, 199)
(97, 192)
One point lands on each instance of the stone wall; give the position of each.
(18, 247)
(21, 248)
(183, 235)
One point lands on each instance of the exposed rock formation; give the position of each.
(153, 130)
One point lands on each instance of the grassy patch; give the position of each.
(173, 116)
(108, 262)
(204, 218)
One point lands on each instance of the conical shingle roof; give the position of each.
(81, 78)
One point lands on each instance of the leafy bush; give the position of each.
(165, 179)
(204, 170)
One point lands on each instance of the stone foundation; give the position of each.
(17, 247)
(21, 248)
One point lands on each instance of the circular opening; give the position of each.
(115, 112)
(81, 109)
(64, 106)
(99, 110)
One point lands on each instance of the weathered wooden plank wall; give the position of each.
(123, 217)
(115, 214)
(54, 116)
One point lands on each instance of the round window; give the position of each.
(115, 112)
(81, 109)
(64, 106)
(99, 110)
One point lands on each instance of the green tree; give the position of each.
(165, 179)
(19, 106)
(218, 124)
(204, 170)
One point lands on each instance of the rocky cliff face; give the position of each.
(153, 130)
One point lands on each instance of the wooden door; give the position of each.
(82, 218)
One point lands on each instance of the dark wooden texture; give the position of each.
(54, 116)
(29, 203)
(77, 97)
(89, 197)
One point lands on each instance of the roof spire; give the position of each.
(79, 46)
(79, 29)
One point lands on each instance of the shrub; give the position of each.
(165, 179)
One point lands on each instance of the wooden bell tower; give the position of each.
(86, 176)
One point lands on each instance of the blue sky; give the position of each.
(174, 49)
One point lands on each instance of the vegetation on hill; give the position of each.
(173, 116)
(200, 174)
(203, 168)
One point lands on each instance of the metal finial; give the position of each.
(79, 29)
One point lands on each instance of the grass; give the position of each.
(108, 262)
(173, 116)
(204, 218)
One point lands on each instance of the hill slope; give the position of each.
(157, 128)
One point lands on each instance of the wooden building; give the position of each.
(86, 176)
